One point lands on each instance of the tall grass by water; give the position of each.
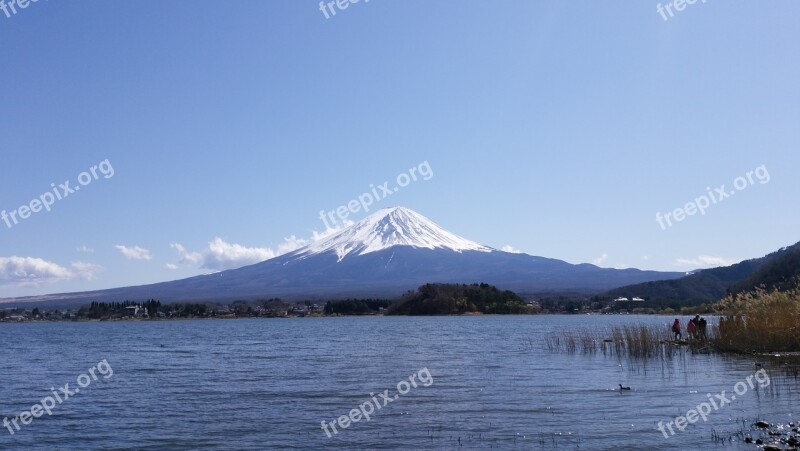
(761, 322)
(637, 341)
(757, 322)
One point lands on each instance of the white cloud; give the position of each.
(316, 236)
(221, 255)
(85, 271)
(85, 250)
(508, 248)
(290, 244)
(171, 266)
(134, 253)
(705, 261)
(26, 271)
(600, 260)
(185, 256)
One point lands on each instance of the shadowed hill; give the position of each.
(776, 270)
(454, 299)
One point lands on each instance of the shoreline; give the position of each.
(234, 317)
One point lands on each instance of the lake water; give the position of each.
(269, 383)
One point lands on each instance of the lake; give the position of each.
(480, 382)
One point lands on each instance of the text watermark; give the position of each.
(60, 192)
(366, 409)
(47, 404)
(327, 7)
(365, 200)
(703, 409)
(678, 5)
(700, 204)
(10, 9)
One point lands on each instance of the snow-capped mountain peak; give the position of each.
(388, 227)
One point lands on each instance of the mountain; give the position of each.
(388, 228)
(454, 299)
(391, 251)
(778, 270)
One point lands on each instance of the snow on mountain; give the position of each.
(388, 227)
(386, 254)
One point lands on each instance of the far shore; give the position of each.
(234, 317)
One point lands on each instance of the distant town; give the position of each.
(152, 309)
(155, 310)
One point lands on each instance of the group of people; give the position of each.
(696, 328)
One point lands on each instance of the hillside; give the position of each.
(382, 256)
(453, 299)
(776, 270)
(780, 272)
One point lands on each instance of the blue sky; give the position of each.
(556, 128)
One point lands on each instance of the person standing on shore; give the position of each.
(701, 327)
(691, 329)
(676, 329)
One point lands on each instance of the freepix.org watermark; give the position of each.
(48, 403)
(366, 409)
(703, 410)
(365, 200)
(677, 5)
(10, 8)
(60, 192)
(329, 8)
(700, 204)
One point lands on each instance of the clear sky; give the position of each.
(559, 129)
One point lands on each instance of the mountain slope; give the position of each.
(776, 270)
(780, 271)
(384, 255)
(390, 227)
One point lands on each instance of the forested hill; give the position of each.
(777, 270)
(454, 299)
